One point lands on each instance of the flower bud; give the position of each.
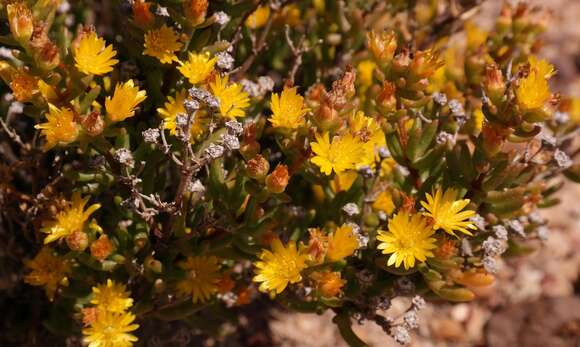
(153, 264)
(47, 56)
(382, 46)
(493, 139)
(20, 20)
(474, 66)
(326, 117)
(23, 85)
(141, 240)
(277, 181)
(93, 124)
(402, 61)
(77, 241)
(258, 167)
(102, 247)
(386, 101)
(195, 10)
(328, 284)
(424, 64)
(249, 149)
(504, 22)
(142, 15)
(494, 84)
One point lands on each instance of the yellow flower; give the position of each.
(533, 91)
(365, 71)
(575, 110)
(47, 91)
(343, 181)
(124, 101)
(387, 166)
(91, 55)
(384, 202)
(202, 278)
(446, 212)
(407, 239)
(111, 297)
(48, 270)
(477, 119)
(162, 44)
(544, 68)
(341, 244)
(198, 67)
(111, 329)
(279, 267)
(258, 18)
(288, 109)
(173, 107)
(71, 219)
(344, 153)
(232, 99)
(370, 133)
(61, 128)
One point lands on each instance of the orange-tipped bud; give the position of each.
(77, 241)
(195, 10)
(93, 124)
(382, 45)
(494, 84)
(277, 181)
(386, 101)
(102, 248)
(257, 167)
(142, 15)
(329, 284)
(21, 21)
(424, 64)
(23, 85)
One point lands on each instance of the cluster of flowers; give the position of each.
(406, 163)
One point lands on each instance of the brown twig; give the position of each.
(297, 52)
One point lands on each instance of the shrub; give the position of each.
(166, 164)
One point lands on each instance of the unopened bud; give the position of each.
(257, 167)
(93, 124)
(77, 241)
(102, 247)
(382, 46)
(142, 15)
(195, 10)
(386, 101)
(494, 84)
(250, 149)
(326, 117)
(277, 181)
(424, 64)
(153, 264)
(21, 21)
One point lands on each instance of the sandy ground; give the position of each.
(533, 303)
